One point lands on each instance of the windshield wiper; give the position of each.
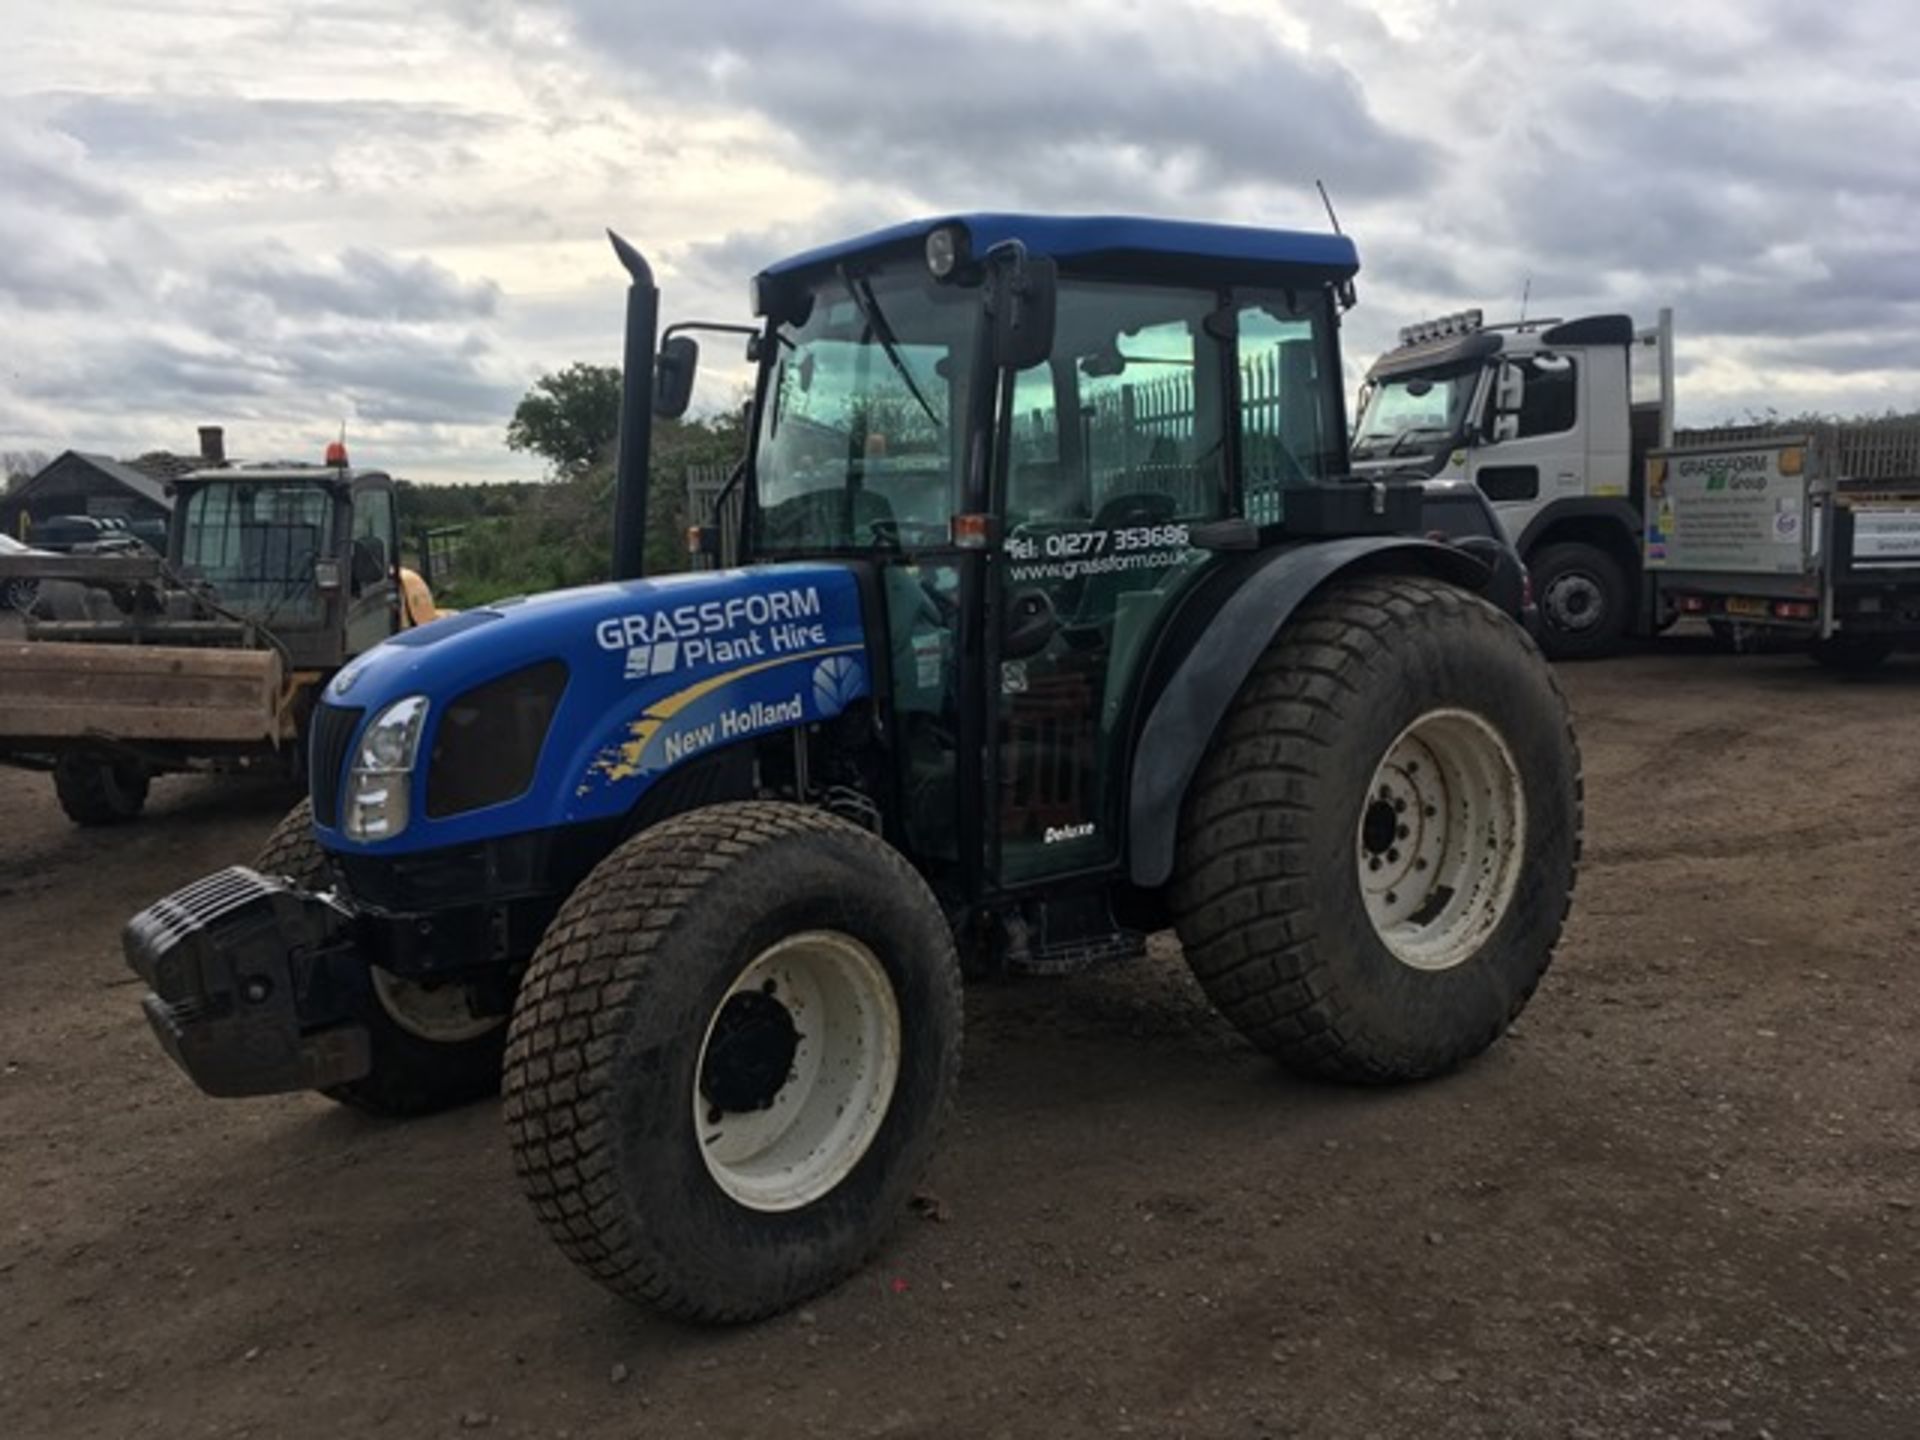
(869, 308)
(1410, 432)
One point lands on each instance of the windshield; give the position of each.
(256, 543)
(1414, 413)
(862, 424)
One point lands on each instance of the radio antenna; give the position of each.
(1332, 218)
(1526, 294)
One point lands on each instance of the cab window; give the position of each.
(1289, 434)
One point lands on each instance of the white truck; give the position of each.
(1552, 419)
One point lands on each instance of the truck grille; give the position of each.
(334, 727)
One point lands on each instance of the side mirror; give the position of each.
(1509, 391)
(1023, 292)
(673, 371)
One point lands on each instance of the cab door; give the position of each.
(372, 578)
(1538, 454)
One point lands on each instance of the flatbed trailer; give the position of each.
(1809, 532)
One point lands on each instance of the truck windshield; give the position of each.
(1414, 413)
(862, 423)
(255, 543)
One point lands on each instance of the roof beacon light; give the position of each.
(1461, 322)
(337, 454)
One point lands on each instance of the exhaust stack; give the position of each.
(636, 415)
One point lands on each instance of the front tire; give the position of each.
(1583, 599)
(731, 1058)
(100, 792)
(430, 1053)
(1378, 852)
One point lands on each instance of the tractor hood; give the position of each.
(631, 680)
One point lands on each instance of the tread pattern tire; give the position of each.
(1266, 894)
(601, 1064)
(100, 792)
(411, 1075)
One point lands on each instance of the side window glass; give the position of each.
(373, 525)
(1287, 435)
(1138, 406)
(1548, 405)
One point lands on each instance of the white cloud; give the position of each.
(277, 219)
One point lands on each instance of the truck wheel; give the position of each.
(1852, 654)
(1583, 601)
(100, 792)
(1378, 851)
(430, 1052)
(731, 1057)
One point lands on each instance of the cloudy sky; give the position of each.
(277, 216)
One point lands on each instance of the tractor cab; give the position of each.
(307, 553)
(1039, 436)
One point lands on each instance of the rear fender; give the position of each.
(1241, 623)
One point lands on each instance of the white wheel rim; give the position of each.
(440, 1013)
(790, 1138)
(1440, 839)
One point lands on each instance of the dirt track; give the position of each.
(1683, 1198)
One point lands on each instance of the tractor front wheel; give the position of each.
(430, 1051)
(730, 1059)
(1378, 853)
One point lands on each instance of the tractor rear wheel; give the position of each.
(1378, 852)
(731, 1057)
(430, 1051)
(100, 792)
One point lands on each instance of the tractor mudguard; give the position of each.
(1196, 695)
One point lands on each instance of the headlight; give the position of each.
(382, 771)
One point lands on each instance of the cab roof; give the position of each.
(1089, 238)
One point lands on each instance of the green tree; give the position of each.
(572, 417)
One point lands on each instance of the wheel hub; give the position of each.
(750, 1053)
(797, 1070)
(1440, 838)
(1573, 601)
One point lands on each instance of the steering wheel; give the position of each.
(890, 531)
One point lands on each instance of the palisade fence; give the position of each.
(1140, 438)
(711, 502)
(1865, 450)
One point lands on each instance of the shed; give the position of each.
(76, 483)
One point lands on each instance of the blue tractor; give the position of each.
(1041, 615)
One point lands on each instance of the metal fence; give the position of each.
(1141, 438)
(713, 500)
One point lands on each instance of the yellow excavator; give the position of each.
(211, 657)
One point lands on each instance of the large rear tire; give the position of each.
(430, 1052)
(1377, 854)
(100, 792)
(1583, 600)
(731, 1057)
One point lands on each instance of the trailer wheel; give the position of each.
(1378, 852)
(100, 792)
(1583, 600)
(430, 1051)
(731, 1057)
(1852, 654)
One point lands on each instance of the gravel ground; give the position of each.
(1683, 1198)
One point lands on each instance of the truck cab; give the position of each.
(1550, 419)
